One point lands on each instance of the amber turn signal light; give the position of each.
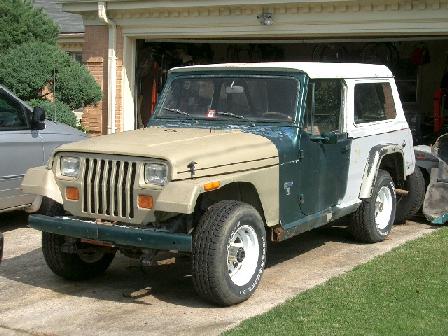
(145, 201)
(72, 193)
(212, 186)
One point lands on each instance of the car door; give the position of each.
(324, 147)
(20, 149)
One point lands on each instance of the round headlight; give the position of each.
(156, 173)
(70, 166)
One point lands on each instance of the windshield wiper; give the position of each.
(231, 115)
(180, 112)
(177, 111)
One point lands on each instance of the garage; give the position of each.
(130, 45)
(418, 64)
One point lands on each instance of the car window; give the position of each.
(374, 102)
(12, 116)
(323, 106)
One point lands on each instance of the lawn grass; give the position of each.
(404, 292)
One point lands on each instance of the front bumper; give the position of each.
(117, 235)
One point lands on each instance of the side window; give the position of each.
(374, 102)
(323, 106)
(12, 116)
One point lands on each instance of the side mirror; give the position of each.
(38, 118)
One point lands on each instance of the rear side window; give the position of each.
(374, 102)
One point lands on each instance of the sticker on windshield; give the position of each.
(211, 113)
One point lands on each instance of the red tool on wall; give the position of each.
(154, 87)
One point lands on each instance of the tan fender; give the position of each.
(181, 196)
(40, 181)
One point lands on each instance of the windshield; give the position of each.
(251, 98)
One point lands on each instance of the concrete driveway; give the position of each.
(160, 301)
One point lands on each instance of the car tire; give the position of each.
(229, 253)
(409, 205)
(72, 266)
(373, 220)
(50, 208)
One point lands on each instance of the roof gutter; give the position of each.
(111, 67)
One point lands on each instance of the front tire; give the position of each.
(373, 220)
(73, 266)
(229, 253)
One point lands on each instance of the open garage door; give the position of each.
(418, 64)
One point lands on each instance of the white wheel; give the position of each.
(229, 252)
(383, 207)
(242, 255)
(373, 220)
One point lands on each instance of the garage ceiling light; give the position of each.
(265, 19)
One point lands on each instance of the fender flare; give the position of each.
(41, 181)
(376, 155)
(181, 196)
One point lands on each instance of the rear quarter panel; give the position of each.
(366, 136)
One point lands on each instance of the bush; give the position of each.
(30, 67)
(20, 22)
(56, 111)
(26, 69)
(76, 87)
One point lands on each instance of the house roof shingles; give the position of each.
(68, 23)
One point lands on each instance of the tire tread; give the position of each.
(361, 225)
(205, 246)
(409, 205)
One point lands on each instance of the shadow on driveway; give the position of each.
(12, 220)
(126, 281)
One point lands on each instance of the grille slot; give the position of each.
(109, 188)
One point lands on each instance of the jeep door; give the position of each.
(324, 147)
(20, 149)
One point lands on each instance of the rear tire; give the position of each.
(71, 266)
(373, 220)
(229, 253)
(409, 205)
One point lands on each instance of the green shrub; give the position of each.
(20, 22)
(26, 69)
(57, 111)
(76, 87)
(30, 67)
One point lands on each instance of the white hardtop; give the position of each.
(313, 69)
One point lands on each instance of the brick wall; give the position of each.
(95, 58)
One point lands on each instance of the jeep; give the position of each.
(234, 155)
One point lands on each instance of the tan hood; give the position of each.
(214, 151)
